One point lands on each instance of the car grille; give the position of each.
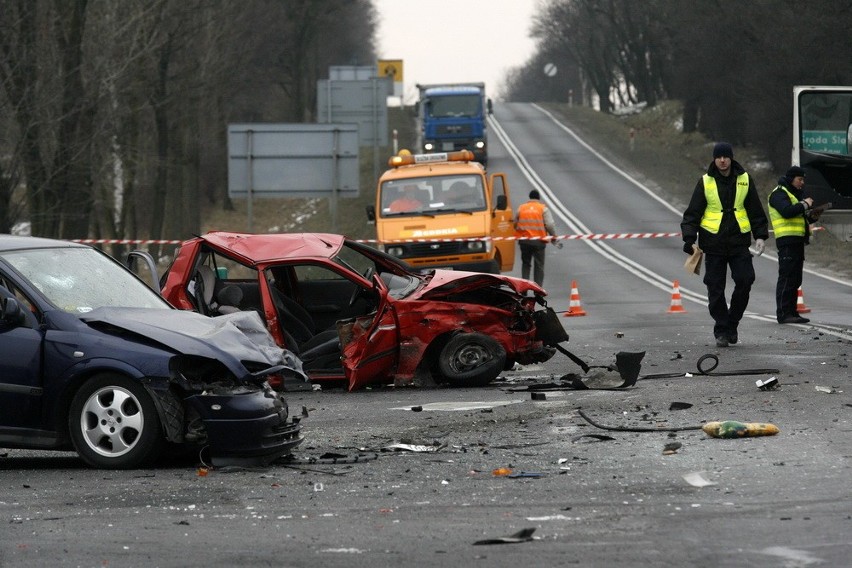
(433, 249)
(455, 129)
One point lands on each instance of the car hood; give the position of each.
(230, 339)
(446, 282)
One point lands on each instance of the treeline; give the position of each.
(113, 115)
(732, 63)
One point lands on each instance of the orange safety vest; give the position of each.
(530, 221)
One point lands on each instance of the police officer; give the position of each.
(723, 214)
(791, 216)
(532, 226)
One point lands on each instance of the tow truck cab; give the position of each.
(443, 211)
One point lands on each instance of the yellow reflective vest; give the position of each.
(712, 218)
(786, 226)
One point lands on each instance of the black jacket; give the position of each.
(729, 239)
(781, 201)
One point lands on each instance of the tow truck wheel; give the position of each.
(471, 360)
(114, 424)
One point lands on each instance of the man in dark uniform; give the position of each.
(791, 214)
(723, 214)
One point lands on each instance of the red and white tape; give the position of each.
(586, 236)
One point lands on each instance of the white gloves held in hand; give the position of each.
(759, 246)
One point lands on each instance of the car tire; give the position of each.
(471, 360)
(114, 425)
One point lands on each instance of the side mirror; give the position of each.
(371, 214)
(501, 203)
(490, 106)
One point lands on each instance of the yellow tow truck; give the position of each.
(443, 211)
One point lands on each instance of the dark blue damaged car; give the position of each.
(93, 360)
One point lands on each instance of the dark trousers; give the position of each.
(532, 252)
(715, 277)
(791, 261)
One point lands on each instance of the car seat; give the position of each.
(316, 349)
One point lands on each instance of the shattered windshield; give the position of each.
(78, 280)
(432, 195)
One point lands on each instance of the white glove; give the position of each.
(759, 246)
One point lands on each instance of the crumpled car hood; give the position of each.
(230, 338)
(446, 282)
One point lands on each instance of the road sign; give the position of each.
(292, 160)
(391, 68)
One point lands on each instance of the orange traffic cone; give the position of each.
(801, 308)
(676, 307)
(574, 307)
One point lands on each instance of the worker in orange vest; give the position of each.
(534, 227)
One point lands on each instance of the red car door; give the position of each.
(371, 344)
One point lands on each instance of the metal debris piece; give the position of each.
(679, 406)
(523, 535)
(414, 447)
(769, 384)
(594, 437)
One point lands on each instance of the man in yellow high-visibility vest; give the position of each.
(723, 214)
(791, 214)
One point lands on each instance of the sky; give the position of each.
(455, 41)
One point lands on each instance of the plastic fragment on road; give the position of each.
(523, 535)
(502, 472)
(827, 390)
(769, 384)
(735, 429)
(697, 479)
(531, 474)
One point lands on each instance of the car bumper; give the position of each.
(246, 428)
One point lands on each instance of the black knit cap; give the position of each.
(794, 172)
(534, 194)
(723, 149)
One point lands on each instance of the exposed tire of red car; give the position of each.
(471, 359)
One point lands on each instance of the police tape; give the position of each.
(581, 236)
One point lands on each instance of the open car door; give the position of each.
(370, 343)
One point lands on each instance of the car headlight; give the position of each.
(480, 144)
(395, 251)
(428, 146)
(478, 246)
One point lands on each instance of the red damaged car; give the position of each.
(352, 313)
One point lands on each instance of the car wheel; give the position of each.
(113, 423)
(471, 359)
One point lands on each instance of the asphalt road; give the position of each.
(602, 494)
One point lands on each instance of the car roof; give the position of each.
(276, 246)
(17, 242)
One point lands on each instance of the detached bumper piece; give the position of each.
(247, 429)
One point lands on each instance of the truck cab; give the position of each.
(442, 211)
(453, 117)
